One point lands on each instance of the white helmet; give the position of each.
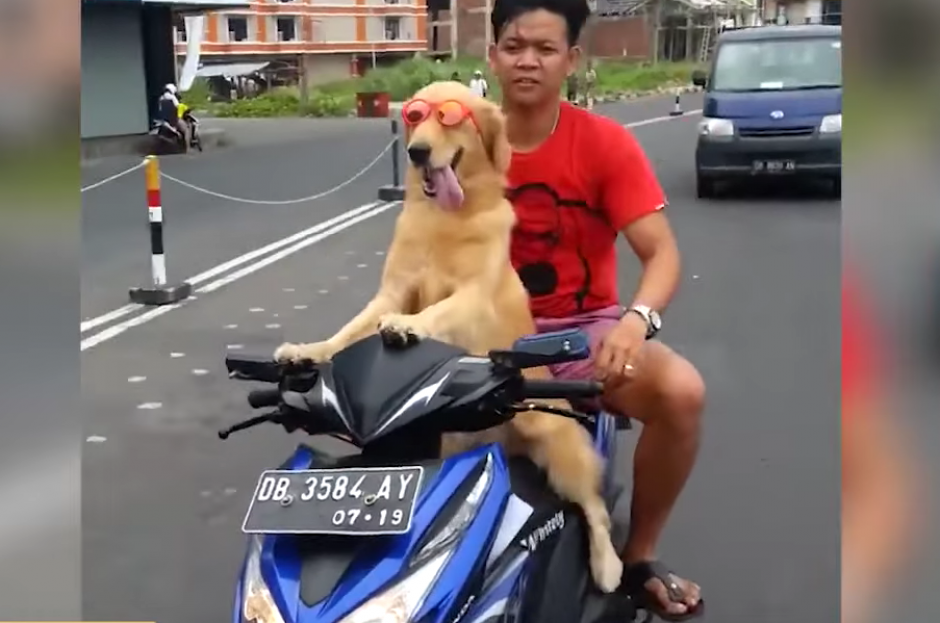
(170, 88)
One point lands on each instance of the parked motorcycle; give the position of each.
(396, 534)
(167, 137)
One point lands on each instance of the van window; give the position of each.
(778, 64)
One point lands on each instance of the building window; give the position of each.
(286, 29)
(179, 26)
(391, 1)
(392, 28)
(237, 28)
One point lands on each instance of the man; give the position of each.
(877, 492)
(478, 84)
(590, 80)
(572, 88)
(576, 181)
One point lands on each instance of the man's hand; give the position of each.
(617, 358)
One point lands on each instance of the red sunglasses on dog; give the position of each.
(449, 113)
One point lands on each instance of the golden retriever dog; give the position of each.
(448, 276)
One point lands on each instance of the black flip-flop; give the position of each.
(635, 577)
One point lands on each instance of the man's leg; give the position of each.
(667, 395)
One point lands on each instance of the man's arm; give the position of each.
(634, 202)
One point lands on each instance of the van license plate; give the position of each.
(774, 166)
(352, 501)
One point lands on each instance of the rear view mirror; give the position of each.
(699, 78)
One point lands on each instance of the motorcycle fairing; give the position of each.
(367, 566)
(491, 572)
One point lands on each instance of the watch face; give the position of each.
(656, 321)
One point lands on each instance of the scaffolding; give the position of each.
(684, 30)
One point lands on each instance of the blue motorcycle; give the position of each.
(396, 534)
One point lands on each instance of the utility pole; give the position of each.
(589, 28)
(453, 29)
(487, 28)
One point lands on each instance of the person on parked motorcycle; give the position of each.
(168, 109)
(577, 182)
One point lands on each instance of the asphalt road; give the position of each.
(163, 499)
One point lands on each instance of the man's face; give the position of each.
(532, 58)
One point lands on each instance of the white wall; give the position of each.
(335, 29)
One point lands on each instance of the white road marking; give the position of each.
(297, 241)
(231, 326)
(96, 439)
(121, 327)
(200, 371)
(177, 355)
(149, 406)
(256, 310)
(235, 262)
(136, 379)
(640, 124)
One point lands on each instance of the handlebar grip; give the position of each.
(253, 368)
(261, 398)
(560, 389)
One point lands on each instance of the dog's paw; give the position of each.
(317, 352)
(400, 330)
(606, 567)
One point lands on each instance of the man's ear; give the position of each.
(493, 128)
(574, 58)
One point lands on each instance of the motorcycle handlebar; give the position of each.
(560, 389)
(261, 398)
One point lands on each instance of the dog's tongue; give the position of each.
(449, 192)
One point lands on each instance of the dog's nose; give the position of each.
(419, 153)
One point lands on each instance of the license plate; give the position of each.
(774, 166)
(363, 501)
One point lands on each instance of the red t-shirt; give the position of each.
(572, 195)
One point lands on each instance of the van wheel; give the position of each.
(704, 187)
(835, 187)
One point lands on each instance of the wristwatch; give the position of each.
(654, 321)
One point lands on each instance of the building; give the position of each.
(333, 37)
(127, 58)
(802, 11)
(637, 30)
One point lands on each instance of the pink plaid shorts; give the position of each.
(596, 324)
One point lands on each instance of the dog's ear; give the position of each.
(493, 127)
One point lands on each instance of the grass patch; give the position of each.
(401, 81)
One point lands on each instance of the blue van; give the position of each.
(773, 106)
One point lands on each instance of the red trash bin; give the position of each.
(372, 104)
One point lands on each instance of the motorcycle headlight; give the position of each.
(257, 603)
(400, 603)
(831, 124)
(716, 127)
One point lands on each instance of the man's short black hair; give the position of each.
(574, 12)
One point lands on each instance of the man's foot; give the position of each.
(661, 592)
